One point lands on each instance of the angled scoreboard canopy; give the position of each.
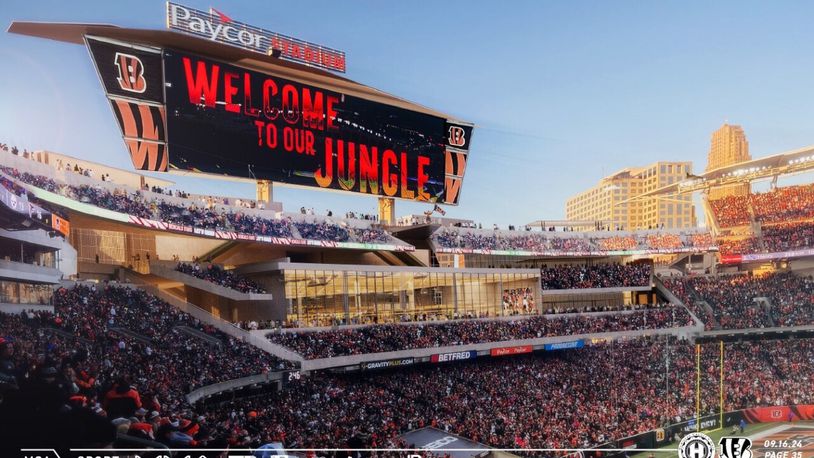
(214, 96)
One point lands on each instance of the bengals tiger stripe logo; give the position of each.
(131, 73)
(457, 136)
(142, 127)
(455, 166)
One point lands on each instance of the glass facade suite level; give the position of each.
(12, 292)
(329, 295)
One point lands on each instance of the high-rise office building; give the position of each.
(729, 146)
(603, 202)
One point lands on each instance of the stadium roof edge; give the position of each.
(561, 222)
(75, 33)
(100, 167)
(764, 168)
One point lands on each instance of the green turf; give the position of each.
(714, 435)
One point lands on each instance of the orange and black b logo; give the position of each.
(131, 73)
(457, 136)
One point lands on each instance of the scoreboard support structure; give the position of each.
(265, 191)
(387, 210)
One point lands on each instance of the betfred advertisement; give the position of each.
(505, 351)
(227, 120)
(454, 356)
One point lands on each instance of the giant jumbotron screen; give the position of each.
(185, 111)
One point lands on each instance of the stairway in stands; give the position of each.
(142, 281)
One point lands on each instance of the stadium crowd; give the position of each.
(214, 273)
(518, 301)
(563, 400)
(392, 337)
(456, 238)
(155, 207)
(602, 306)
(731, 210)
(784, 204)
(92, 313)
(733, 305)
(254, 325)
(116, 352)
(743, 245)
(776, 206)
(788, 237)
(13, 187)
(567, 399)
(774, 238)
(570, 276)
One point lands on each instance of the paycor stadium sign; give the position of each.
(216, 26)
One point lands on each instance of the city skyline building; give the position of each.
(608, 203)
(728, 146)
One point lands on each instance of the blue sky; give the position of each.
(562, 93)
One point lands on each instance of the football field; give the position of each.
(769, 440)
(786, 440)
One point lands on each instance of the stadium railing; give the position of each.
(166, 269)
(586, 291)
(673, 299)
(74, 179)
(29, 272)
(218, 323)
(418, 353)
(775, 330)
(211, 390)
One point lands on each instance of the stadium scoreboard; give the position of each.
(185, 110)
